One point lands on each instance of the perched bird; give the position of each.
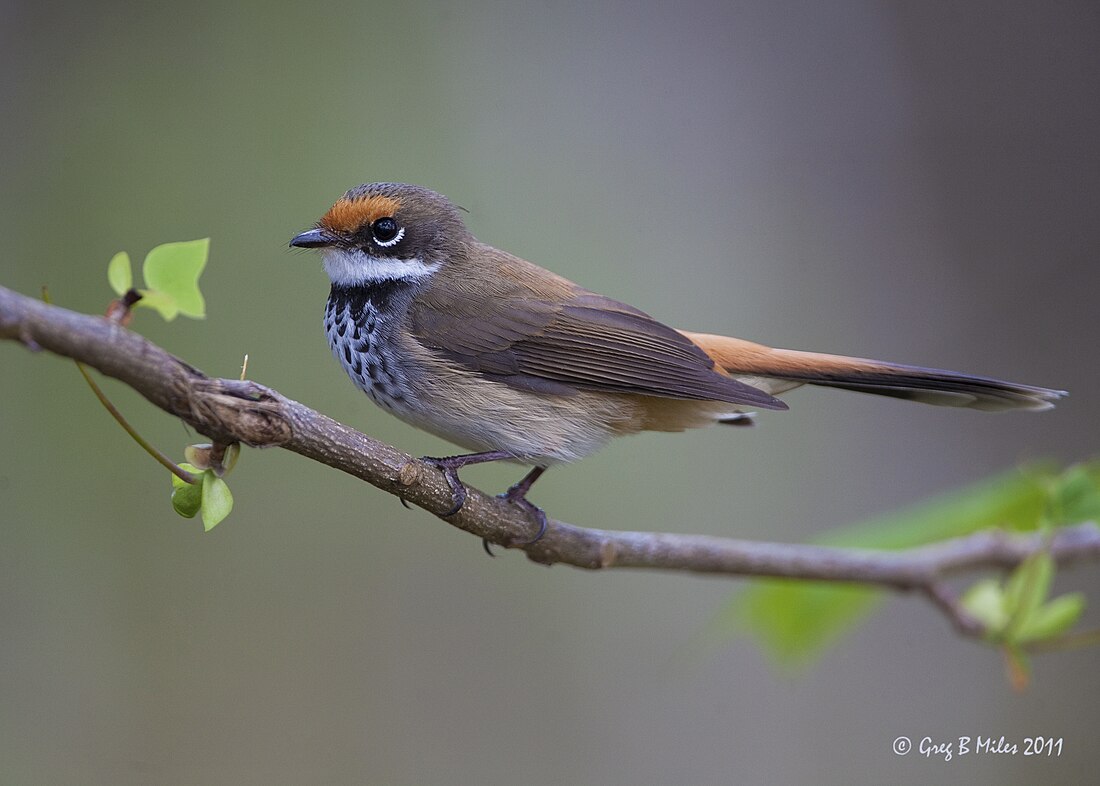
(511, 361)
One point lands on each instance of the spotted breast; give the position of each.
(356, 321)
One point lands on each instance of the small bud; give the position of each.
(408, 474)
(199, 455)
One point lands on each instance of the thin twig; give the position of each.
(148, 447)
(119, 311)
(230, 411)
(942, 596)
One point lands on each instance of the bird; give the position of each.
(513, 362)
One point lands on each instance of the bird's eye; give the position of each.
(386, 232)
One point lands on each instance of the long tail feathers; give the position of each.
(777, 370)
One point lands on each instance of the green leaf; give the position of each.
(1026, 589)
(797, 620)
(173, 270)
(985, 601)
(119, 274)
(232, 453)
(1015, 614)
(178, 481)
(1014, 500)
(1053, 619)
(159, 302)
(1075, 494)
(186, 497)
(217, 501)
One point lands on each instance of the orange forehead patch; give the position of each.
(348, 215)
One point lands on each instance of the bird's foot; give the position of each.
(517, 495)
(533, 509)
(449, 466)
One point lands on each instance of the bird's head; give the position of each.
(387, 232)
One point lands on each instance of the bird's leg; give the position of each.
(450, 465)
(517, 495)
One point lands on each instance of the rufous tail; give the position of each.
(778, 370)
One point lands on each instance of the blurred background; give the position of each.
(912, 181)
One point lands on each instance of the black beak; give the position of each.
(312, 238)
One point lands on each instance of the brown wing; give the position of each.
(563, 339)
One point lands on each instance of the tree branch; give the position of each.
(232, 411)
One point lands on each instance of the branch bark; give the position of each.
(231, 411)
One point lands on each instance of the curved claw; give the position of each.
(540, 514)
(530, 507)
(458, 491)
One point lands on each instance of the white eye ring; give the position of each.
(393, 240)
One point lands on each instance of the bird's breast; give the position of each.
(356, 324)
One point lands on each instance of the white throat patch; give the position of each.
(355, 267)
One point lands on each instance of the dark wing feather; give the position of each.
(583, 341)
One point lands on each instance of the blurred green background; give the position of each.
(917, 182)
